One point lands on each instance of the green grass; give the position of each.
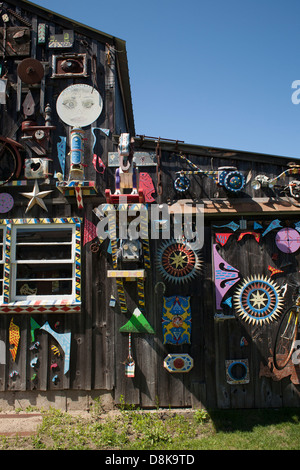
(129, 429)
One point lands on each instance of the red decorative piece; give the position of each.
(254, 234)
(147, 186)
(274, 270)
(124, 198)
(222, 238)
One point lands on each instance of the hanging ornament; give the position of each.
(177, 261)
(129, 363)
(258, 300)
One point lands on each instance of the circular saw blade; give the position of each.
(30, 71)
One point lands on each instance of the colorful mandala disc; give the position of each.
(177, 261)
(258, 300)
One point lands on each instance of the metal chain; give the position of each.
(158, 170)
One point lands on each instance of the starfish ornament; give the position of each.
(36, 197)
(258, 299)
(178, 260)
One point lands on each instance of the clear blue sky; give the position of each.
(217, 73)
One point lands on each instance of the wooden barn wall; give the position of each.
(98, 348)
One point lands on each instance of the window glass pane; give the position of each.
(43, 252)
(46, 287)
(44, 271)
(44, 235)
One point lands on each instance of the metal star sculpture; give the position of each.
(36, 197)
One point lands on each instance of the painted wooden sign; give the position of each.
(61, 40)
(287, 240)
(176, 320)
(225, 276)
(176, 363)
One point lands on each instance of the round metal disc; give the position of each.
(30, 71)
(79, 105)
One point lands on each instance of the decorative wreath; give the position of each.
(258, 300)
(177, 261)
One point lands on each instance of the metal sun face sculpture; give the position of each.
(258, 300)
(177, 261)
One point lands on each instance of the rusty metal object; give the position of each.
(30, 71)
(9, 149)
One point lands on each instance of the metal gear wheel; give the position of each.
(258, 300)
(177, 261)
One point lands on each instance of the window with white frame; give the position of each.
(43, 261)
(40, 263)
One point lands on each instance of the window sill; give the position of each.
(35, 307)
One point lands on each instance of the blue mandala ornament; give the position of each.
(234, 181)
(258, 300)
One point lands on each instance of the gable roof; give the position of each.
(119, 46)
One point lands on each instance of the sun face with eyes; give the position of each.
(79, 105)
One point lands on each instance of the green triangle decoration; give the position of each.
(137, 324)
(33, 326)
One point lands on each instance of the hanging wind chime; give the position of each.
(129, 363)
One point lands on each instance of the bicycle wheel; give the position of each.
(8, 163)
(285, 337)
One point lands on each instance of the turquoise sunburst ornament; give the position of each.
(258, 300)
(177, 261)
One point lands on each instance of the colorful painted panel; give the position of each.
(14, 338)
(225, 276)
(288, 240)
(178, 363)
(176, 320)
(64, 340)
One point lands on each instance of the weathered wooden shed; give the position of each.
(79, 293)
